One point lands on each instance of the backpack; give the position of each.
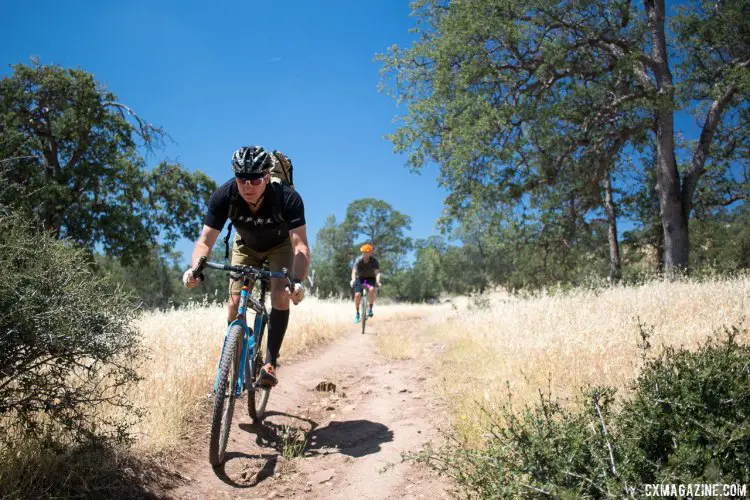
(281, 174)
(282, 169)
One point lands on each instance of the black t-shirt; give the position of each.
(366, 269)
(258, 231)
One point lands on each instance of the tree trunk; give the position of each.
(671, 207)
(614, 246)
(671, 210)
(658, 244)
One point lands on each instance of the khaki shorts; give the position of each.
(278, 257)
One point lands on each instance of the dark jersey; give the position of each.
(258, 231)
(366, 269)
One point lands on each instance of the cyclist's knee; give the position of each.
(280, 303)
(279, 299)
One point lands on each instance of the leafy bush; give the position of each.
(67, 341)
(541, 450)
(686, 421)
(689, 418)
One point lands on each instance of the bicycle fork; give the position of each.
(247, 347)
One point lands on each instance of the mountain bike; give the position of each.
(241, 355)
(364, 302)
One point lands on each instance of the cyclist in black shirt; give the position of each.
(264, 231)
(366, 268)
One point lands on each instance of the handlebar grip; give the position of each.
(285, 272)
(198, 271)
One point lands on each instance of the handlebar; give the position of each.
(253, 272)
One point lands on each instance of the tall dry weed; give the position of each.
(566, 341)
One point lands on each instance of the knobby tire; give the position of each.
(363, 314)
(225, 396)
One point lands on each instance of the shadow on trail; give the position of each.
(355, 438)
(241, 470)
(280, 435)
(98, 471)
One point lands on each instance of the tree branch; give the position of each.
(17, 158)
(697, 168)
(150, 134)
(606, 437)
(732, 199)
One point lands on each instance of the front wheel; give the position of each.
(225, 395)
(363, 313)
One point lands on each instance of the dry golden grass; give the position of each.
(185, 346)
(561, 341)
(565, 342)
(406, 341)
(396, 342)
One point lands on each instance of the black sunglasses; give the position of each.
(254, 180)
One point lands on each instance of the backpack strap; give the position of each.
(233, 209)
(226, 240)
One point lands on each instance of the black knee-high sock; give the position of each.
(277, 324)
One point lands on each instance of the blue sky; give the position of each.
(297, 76)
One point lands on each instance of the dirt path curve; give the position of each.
(355, 435)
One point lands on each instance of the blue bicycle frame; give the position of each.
(245, 361)
(249, 336)
(248, 342)
(248, 339)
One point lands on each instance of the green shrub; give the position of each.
(542, 450)
(67, 340)
(685, 421)
(689, 417)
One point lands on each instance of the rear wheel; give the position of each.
(225, 396)
(257, 397)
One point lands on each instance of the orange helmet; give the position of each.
(366, 248)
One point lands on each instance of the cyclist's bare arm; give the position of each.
(202, 249)
(204, 244)
(377, 276)
(301, 261)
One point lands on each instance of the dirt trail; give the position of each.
(355, 435)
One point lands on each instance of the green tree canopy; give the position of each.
(331, 258)
(377, 222)
(337, 245)
(520, 103)
(70, 147)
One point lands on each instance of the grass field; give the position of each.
(565, 341)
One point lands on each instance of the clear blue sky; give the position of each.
(298, 76)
